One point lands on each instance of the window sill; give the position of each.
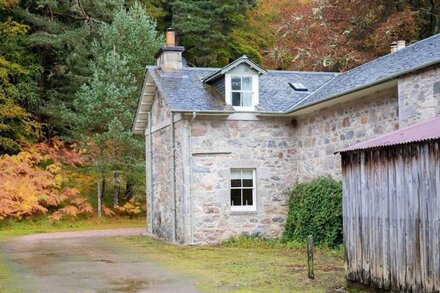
(238, 213)
(244, 109)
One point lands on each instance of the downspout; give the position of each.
(191, 202)
(173, 176)
(150, 175)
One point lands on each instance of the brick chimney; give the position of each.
(169, 57)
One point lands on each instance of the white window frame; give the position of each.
(254, 91)
(244, 208)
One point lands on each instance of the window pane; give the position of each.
(247, 99)
(235, 174)
(247, 183)
(247, 174)
(236, 99)
(235, 197)
(247, 197)
(236, 83)
(247, 83)
(235, 183)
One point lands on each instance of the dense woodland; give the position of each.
(71, 71)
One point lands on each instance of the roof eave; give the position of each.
(144, 105)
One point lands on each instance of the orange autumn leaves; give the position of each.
(33, 183)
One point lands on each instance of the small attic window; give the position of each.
(299, 87)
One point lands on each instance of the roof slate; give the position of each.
(418, 55)
(185, 90)
(423, 131)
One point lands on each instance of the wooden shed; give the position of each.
(391, 207)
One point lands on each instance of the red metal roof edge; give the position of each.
(426, 130)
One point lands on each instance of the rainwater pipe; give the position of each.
(191, 202)
(173, 176)
(150, 175)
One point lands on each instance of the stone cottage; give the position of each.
(224, 144)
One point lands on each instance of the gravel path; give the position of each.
(87, 261)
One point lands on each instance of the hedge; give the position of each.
(315, 208)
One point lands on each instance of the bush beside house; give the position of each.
(315, 208)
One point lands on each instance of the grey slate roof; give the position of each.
(185, 90)
(418, 55)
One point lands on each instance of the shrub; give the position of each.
(315, 208)
(32, 183)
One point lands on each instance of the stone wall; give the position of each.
(282, 156)
(321, 133)
(161, 172)
(218, 146)
(419, 96)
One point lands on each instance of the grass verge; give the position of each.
(44, 225)
(247, 268)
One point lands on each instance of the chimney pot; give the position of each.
(393, 47)
(401, 44)
(170, 37)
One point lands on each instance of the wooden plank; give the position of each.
(391, 223)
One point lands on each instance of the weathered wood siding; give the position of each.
(391, 203)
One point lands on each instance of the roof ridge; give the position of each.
(398, 52)
(305, 72)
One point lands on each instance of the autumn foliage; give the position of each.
(33, 182)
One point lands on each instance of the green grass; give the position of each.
(240, 266)
(7, 280)
(43, 225)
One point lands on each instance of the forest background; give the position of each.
(71, 72)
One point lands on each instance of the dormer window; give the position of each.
(239, 82)
(241, 91)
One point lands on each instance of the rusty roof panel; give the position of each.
(426, 130)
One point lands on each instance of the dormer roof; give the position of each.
(242, 60)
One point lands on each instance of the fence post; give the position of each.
(311, 273)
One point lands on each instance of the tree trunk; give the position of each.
(128, 190)
(115, 188)
(101, 191)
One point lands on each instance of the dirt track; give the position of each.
(87, 261)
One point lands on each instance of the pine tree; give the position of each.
(60, 34)
(18, 89)
(205, 26)
(104, 107)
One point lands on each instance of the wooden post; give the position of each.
(311, 273)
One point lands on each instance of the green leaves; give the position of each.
(103, 108)
(205, 28)
(315, 208)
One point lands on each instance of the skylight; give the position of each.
(299, 87)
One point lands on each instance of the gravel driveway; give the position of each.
(87, 261)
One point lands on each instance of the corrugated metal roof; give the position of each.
(426, 130)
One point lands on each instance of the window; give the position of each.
(241, 91)
(243, 190)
